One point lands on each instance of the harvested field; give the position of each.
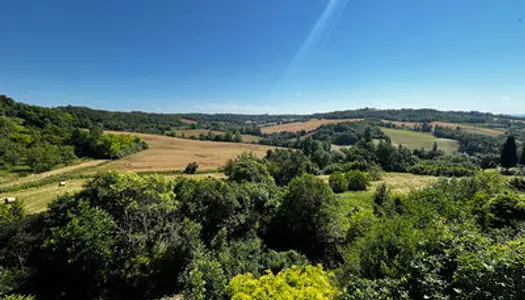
(463, 127)
(470, 128)
(186, 121)
(167, 153)
(306, 126)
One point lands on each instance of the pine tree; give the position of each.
(509, 156)
(522, 159)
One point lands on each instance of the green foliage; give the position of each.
(357, 180)
(451, 165)
(284, 165)
(518, 183)
(191, 168)
(522, 157)
(247, 168)
(17, 297)
(509, 156)
(495, 272)
(309, 282)
(338, 182)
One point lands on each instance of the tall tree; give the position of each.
(509, 155)
(522, 159)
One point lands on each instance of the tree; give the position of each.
(357, 180)
(434, 147)
(522, 159)
(338, 182)
(509, 156)
(191, 168)
(307, 282)
(247, 168)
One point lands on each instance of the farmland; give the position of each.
(413, 140)
(167, 153)
(463, 127)
(306, 126)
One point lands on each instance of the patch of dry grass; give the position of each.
(168, 153)
(306, 126)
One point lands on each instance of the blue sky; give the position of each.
(271, 56)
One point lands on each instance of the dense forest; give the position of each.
(36, 139)
(269, 229)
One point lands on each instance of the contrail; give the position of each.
(323, 26)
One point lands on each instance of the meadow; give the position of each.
(415, 140)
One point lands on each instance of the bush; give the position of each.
(191, 168)
(308, 282)
(338, 182)
(357, 180)
(518, 183)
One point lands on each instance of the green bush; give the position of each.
(338, 182)
(191, 168)
(307, 282)
(357, 180)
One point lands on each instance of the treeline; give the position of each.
(122, 121)
(127, 236)
(36, 139)
(211, 136)
(343, 134)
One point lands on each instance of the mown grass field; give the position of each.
(413, 140)
(306, 126)
(168, 153)
(463, 127)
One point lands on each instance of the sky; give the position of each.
(271, 56)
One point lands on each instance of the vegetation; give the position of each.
(40, 139)
(509, 156)
(130, 236)
(273, 227)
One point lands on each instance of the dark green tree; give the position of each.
(522, 159)
(509, 156)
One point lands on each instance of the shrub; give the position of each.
(308, 282)
(191, 168)
(357, 180)
(338, 182)
(518, 183)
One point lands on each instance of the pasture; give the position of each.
(306, 126)
(414, 140)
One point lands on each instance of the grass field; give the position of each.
(413, 140)
(86, 165)
(167, 153)
(37, 199)
(306, 126)
(463, 127)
